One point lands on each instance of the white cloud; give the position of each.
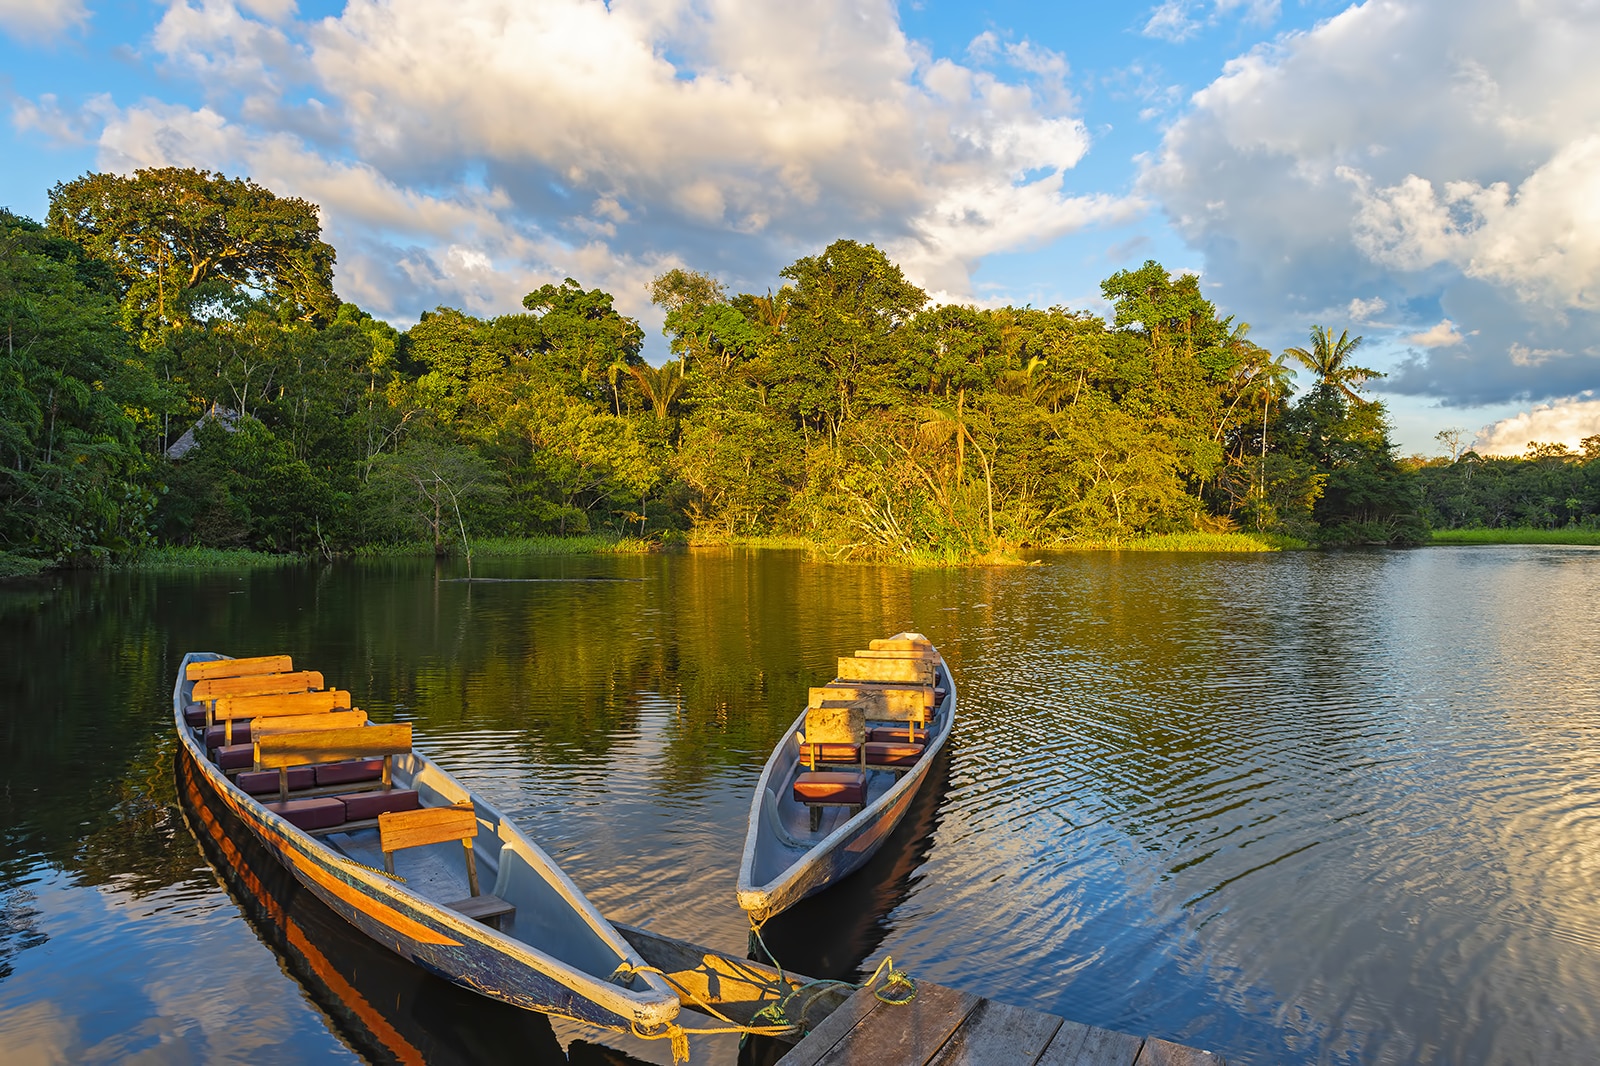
(1543, 242)
(1171, 22)
(1439, 157)
(1174, 20)
(1565, 421)
(41, 20)
(1366, 310)
(649, 129)
(1443, 335)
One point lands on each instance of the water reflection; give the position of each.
(386, 1009)
(1332, 808)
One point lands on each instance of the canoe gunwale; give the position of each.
(779, 893)
(653, 1006)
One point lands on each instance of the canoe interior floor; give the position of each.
(429, 871)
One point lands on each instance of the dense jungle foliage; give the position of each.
(178, 370)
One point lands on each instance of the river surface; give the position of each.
(1308, 807)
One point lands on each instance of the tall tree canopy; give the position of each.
(181, 240)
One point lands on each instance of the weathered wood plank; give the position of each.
(259, 664)
(298, 723)
(331, 745)
(257, 685)
(899, 701)
(430, 825)
(284, 703)
(1095, 1047)
(1158, 1052)
(1064, 1046)
(900, 670)
(996, 1034)
(910, 1034)
(855, 1012)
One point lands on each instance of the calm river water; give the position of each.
(1306, 807)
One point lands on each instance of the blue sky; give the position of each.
(1426, 174)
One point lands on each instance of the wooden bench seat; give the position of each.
(260, 664)
(256, 685)
(438, 825)
(226, 708)
(281, 751)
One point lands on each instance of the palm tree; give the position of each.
(662, 385)
(1271, 381)
(1327, 358)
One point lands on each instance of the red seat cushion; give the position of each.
(319, 813)
(261, 782)
(217, 735)
(360, 805)
(823, 787)
(350, 773)
(234, 756)
(901, 754)
(896, 734)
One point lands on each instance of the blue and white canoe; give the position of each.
(324, 797)
(826, 802)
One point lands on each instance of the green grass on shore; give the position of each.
(190, 558)
(1521, 535)
(20, 565)
(1191, 542)
(517, 547)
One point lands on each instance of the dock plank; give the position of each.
(996, 1034)
(1096, 1047)
(1158, 1052)
(910, 1033)
(833, 1029)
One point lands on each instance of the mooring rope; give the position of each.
(679, 1034)
(778, 1010)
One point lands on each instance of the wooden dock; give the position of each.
(940, 1027)
(945, 1027)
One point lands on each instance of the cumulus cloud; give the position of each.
(1443, 335)
(1366, 310)
(41, 20)
(1459, 185)
(440, 135)
(1567, 421)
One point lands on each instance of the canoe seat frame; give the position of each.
(438, 825)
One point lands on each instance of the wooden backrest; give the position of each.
(429, 825)
(256, 685)
(836, 722)
(900, 702)
(912, 671)
(284, 703)
(299, 723)
(260, 664)
(315, 746)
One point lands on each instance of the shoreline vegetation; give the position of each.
(188, 391)
(188, 558)
(1516, 536)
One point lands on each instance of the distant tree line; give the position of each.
(842, 408)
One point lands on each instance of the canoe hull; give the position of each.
(452, 947)
(847, 848)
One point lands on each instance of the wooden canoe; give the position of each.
(786, 859)
(554, 952)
